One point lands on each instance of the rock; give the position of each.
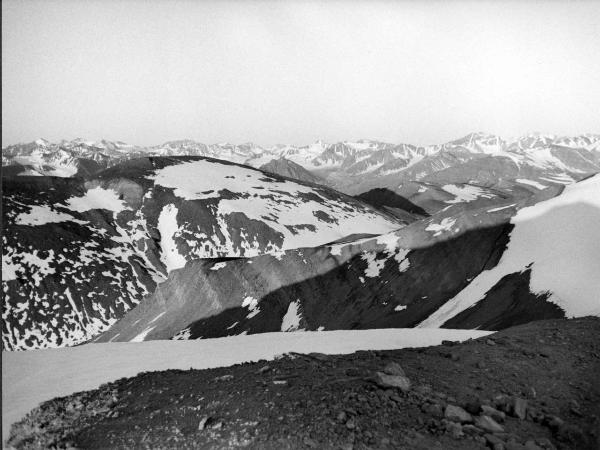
(531, 445)
(264, 369)
(218, 425)
(433, 409)
(490, 342)
(569, 433)
(394, 381)
(473, 407)
(514, 445)
(341, 417)
(394, 368)
(553, 422)
(480, 365)
(488, 424)
(457, 414)
(498, 416)
(350, 424)
(203, 422)
(395, 398)
(545, 443)
(449, 343)
(454, 356)
(492, 440)
(575, 408)
(519, 408)
(472, 430)
(454, 429)
(226, 377)
(311, 443)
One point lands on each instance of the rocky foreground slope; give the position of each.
(77, 254)
(526, 388)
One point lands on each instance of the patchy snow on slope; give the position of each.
(168, 227)
(43, 214)
(445, 225)
(303, 215)
(501, 208)
(560, 239)
(68, 370)
(374, 265)
(252, 304)
(97, 198)
(218, 266)
(535, 184)
(291, 319)
(466, 193)
(140, 337)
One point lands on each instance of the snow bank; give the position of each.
(466, 193)
(97, 198)
(560, 240)
(31, 377)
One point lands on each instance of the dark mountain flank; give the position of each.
(389, 201)
(290, 169)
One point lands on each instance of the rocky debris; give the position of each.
(331, 403)
(498, 416)
(486, 423)
(519, 408)
(226, 377)
(457, 414)
(395, 380)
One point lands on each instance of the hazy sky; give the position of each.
(292, 72)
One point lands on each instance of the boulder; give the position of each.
(488, 424)
(457, 414)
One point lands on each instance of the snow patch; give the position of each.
(291, 319)
(466, 193)
(445, 225)
(168, 227)
(97, 198)
(535, 184)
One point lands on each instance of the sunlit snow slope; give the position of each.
(77, 255)
(557, 243)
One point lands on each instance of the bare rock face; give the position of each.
(78, 254)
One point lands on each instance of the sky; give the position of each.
(146, 72)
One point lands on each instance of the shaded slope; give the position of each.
(343, 286)
(387, 200)
(290, 169)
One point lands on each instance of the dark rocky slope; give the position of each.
(530, 387)
(388, 200)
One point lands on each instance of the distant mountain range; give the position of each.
(350, 167)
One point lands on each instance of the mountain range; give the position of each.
(104, 241)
